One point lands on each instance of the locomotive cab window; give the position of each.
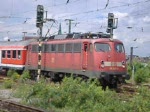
(102, 47)
(119, 48)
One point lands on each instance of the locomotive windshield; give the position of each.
(102, 47)
(119, 48)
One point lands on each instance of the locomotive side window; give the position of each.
(3, 54)
(8, 54)
(68, 47)
(60, 47)
(34, 48)
(119, 48)
(77, 47)
(46, 48)
(53, 47)
(102, 47)
(14, 54)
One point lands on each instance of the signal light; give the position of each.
(110, 22)
(40, 16)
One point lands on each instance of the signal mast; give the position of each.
(39, 24)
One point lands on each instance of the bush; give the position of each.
(141, 73)
(129, 70)
(10, 72)
(15, 76)
(25, 75)
(8, 84)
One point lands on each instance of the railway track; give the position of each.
(2, 78)
(127, 91)
(128, 87)
(9, 106)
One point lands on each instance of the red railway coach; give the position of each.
(86, 55)
(13, 54)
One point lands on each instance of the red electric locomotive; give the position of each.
(84, 55)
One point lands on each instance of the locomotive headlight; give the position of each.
(123, 64)
(102, 64)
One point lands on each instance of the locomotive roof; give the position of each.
(82, 40)
(17, 43)
(80, 36)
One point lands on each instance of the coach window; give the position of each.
(61, 48)
(3, 54)
(19, 54)
(68, 48)
(8, 54)
(77, 47)
(14, 54)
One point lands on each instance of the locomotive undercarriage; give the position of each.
(56, 76)
(106, 80)
(112, 80)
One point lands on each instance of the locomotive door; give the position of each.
(85, 55)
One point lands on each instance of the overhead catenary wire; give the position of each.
(96, 10)
(119, 6)
(91, 11)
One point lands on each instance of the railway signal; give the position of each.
(112, 24)
(40, 16)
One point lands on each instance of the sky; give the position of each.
(18, 16)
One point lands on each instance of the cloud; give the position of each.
(1, 22)
(121, 15)
(146, 19)
(89, 14)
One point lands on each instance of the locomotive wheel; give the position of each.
(103, 84)
(113, 86)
